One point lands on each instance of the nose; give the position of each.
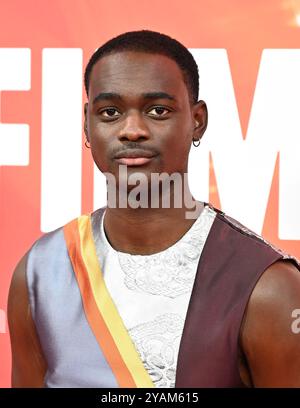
(134, 128)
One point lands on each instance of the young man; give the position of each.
(144, 295)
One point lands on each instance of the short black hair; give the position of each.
(154, 43)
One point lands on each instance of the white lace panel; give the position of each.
(152, 292)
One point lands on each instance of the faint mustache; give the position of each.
(134, 151)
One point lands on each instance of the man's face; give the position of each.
(140, 101)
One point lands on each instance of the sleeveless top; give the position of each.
(151, 293)
(92, 336)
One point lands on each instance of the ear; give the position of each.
(85, 121)
(200, 116)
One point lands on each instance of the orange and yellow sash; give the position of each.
(100, 310)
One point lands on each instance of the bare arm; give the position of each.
(28, 363)
(271, 347)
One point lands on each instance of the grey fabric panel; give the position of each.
(73, 355)
(96, 218)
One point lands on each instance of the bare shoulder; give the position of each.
(28, 363)
(18, 304)
(269, 337)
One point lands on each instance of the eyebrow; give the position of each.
(104, 96)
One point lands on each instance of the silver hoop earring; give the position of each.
(195, 140)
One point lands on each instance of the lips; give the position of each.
(134, 157)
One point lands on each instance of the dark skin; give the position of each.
(269, 350)
(162, 125)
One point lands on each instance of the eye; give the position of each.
(160, 111)
(109, 112)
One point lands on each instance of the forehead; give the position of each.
(131, 72)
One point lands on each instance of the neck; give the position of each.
(149, 230)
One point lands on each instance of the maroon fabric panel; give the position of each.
(230, 265)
